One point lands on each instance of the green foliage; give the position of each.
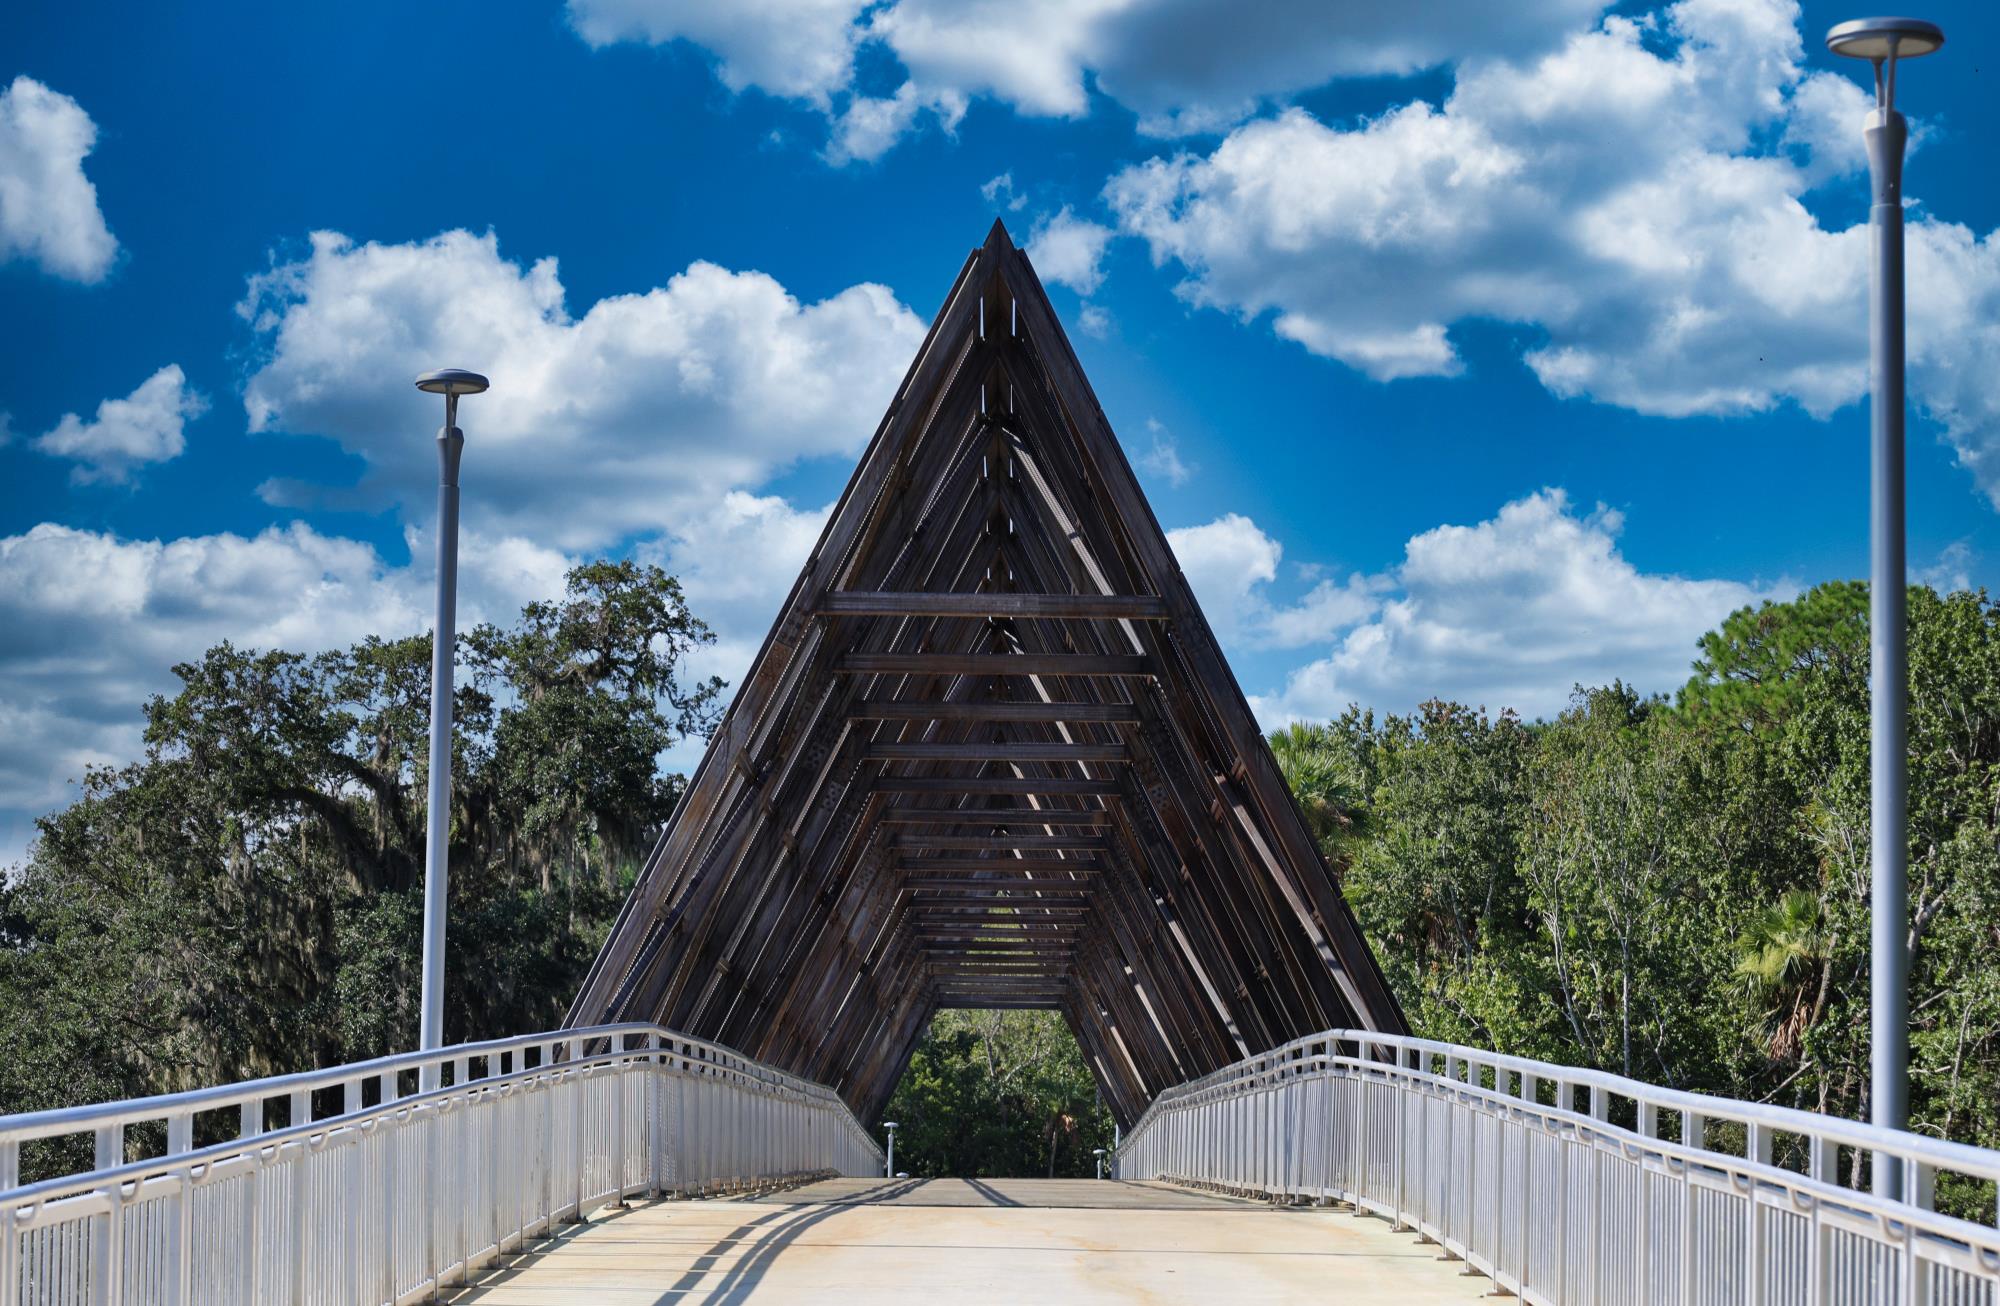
(991, 1094)
(1680, 891)
(247, 899)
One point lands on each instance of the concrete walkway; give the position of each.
(986, 1240)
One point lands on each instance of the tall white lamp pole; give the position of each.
(1883, 42)
(451, 383)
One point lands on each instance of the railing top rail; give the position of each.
(1959, 1158)
(60, 1121)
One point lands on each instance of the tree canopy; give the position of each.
(1679, 891)
(247, 898)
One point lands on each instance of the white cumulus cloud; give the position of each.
(798, 48)
(146, 426)
(1512, 612)
(1230, 562)
(1637, 195)
(48, 208)
(1069, 250)
(624, 421)
(1181, 65)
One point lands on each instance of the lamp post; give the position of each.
(889, 1166)
(1884, 42)
(1098, 1152)
(451, 383)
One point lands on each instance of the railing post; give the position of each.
(616, 1157)
(1694, 1131)
(10, 1239)
(1649, 1127)
(1531, 1127)
(1822, 1164)
(394, 1145)
(579, 1085)
(461, 1201)
(300, 1114)
(1757, 1149)
(656, 1081)
(250, 1124)
(107, 1263)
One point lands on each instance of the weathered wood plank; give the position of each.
(983, 843)
(1086, 607)
(889, 709)
(1026, 818)
(1004, 786)
(1013, 751)
(991, 664)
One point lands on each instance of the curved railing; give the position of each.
(386, 1179)
(1517, 1166)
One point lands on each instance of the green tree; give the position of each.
(991, 1094)
(246, 899)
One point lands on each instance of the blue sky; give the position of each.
(1472, 350)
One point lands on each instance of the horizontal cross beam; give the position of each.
(1011, 751)
(993, 664)
(1015, 786)
(1029, 818)
(883, 709)
(916, 603)
(1017, 865)
(983, 931)
(957, 885)
(954, 909)
(982, 843)
(1041, 956)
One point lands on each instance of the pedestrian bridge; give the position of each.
(989, 756)
(631, 1164)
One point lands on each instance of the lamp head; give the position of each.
(889, 1124)
(1884, 38)
(451, 382)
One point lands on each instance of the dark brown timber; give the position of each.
(990, 755)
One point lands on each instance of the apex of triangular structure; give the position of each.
(990, 755)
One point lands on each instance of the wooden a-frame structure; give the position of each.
(990, 756)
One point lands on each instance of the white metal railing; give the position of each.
(1516, 1166)
(427, 1166)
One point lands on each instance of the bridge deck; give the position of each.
(997, 1240)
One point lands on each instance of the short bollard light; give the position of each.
(889, 1166)
(1099, 1152)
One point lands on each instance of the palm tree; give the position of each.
(1782, 959)
(1326, 779)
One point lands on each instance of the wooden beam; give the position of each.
(992, 664)
(884, 709)
(979, 843)
(1017, 865)
(1027, 818)
(1011, 751)
(1021, 884)
(930, 910)
(1007, 786)
(987, 963)
(911, 603)
(965, 922)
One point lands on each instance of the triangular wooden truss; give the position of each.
(990, 756)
